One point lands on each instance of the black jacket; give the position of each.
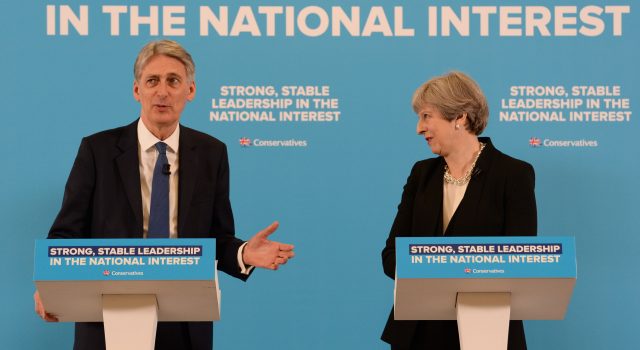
(102, 199)
(499, 201)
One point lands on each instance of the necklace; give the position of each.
(448, 178)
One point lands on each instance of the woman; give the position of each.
(471, 189)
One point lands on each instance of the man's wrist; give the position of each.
(244, 267)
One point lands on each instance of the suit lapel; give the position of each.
(188, 176)
(432, 222)
(129, 169)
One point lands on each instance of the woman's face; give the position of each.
(439, 132)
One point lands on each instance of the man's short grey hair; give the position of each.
(455, 94)
(168, 48)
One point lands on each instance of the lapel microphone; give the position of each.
(166, 169)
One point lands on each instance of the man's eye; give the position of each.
(174, 81)
(152, 81)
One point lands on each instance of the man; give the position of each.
(156, 178)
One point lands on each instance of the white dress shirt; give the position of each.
(148, 154)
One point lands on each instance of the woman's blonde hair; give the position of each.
(455, 94)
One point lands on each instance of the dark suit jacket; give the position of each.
(499, 201)
(102, 199)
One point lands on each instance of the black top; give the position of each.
(499, 201)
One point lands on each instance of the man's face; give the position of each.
(163, 90)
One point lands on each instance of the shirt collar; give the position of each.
(147, 140)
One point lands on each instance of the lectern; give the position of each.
(483, 282)
(129, 284)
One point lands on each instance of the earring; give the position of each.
(457, 126)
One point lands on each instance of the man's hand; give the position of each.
(40, 309)
(261, 252)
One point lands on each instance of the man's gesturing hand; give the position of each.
(261, 252)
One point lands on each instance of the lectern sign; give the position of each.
(536, 273)
(74, 276)
(485, 257)
(124, 259)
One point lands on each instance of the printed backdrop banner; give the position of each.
(312, 99)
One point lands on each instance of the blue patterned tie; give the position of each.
(159, 212)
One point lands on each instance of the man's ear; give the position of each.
(136, 91)
(192, 91)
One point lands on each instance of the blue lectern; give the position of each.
(129, 284)
(483, 282)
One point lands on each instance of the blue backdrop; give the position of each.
(334, 185)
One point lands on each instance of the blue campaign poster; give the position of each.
(313, 101)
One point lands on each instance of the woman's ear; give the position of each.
(462, 120)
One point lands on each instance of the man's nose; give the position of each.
(162, 89)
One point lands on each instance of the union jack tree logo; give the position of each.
(535, 142)
(467, 270)
(245, 142)
(106, 272)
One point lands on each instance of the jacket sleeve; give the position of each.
(222, 226)
(521, 218)
(402, 224)
(74, 218)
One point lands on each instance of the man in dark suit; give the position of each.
(110, 191)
